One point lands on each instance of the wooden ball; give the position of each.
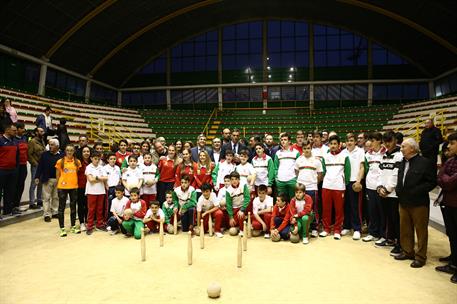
(256, 233)
(197, 231)
(170, 229)
(233, 231)
(275, 238)
(294, 238)
(214, 290)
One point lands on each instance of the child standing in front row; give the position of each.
(151, 176)
(223, 168)
(261, 211)
(209, 205)
(95, 191)
(301, 212)
(133, 177)
(132, 225)
(153, 217)
(237, 200)
(114, 179)
(117, 210)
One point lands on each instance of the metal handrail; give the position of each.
(206, 129)
(419, 121)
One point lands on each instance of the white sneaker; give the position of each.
(345, 232)
(267, 235)
(113, 232)
(219, 235)
(337, 236)
(83, 227)
(368, 238)
(314, 233)
(356, 236)
(323, 234)
(380, 242)
(305, 240)
(108, 228)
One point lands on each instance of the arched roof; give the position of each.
(111, 39)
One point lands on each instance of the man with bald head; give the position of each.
(416, 178)
(431, 138)
(226, 136)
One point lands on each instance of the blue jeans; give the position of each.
(33, 186)
(285, 232)
(113, 223)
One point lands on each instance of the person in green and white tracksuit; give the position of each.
(284, 166)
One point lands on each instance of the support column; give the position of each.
(370, 94)
(219, 98)
(311, 97)
(370, 59)
(42, 81)
(431, 89)
(88, 89)
(168, 93)
(219, 55)
(119, 98)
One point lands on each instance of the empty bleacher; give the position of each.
(185, 125)
(340, 120)
(79, 115)
(412, 116)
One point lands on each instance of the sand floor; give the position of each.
(37, 266)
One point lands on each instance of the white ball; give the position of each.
(214, 290)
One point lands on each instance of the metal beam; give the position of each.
(148, 28)
(79, 25)
(403, 20)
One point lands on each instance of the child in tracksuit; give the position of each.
(237, 201)
(246, 170)
(373, 158)
(95, 192)
(337, 171)
(284, 163)
(280, 218)
(301, 212)
(150, 179)
(261, 211)
(168, 207)
(118, 204)
(153, 217)
(308, 169)
(264, 168)
(184, 200)
(132, 225)
(114, 178)
(208, 205)
(386, 189)
(223, 168)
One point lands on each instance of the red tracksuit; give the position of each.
(283, 213)
(202, 175)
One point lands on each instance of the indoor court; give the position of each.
(42, 268)
(324, 106)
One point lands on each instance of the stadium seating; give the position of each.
(126, 122)
(340, 120)
(413, 115)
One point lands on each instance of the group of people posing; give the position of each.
(315, 187)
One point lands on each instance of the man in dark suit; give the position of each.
(234, 145)
(416, 178)
(201, 146)
(431, 139)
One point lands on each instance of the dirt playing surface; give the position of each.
(37, 266)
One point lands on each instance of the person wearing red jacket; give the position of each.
(133, 221)
(186, 167)
(202, 171)
(82, 180)
(167, 169)
(280, 218)
(301, 212)
(22, 143)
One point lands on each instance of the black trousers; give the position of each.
(63, 194)
(21, 176)
(162, 188)
(8, 188)
(450, 221)
(82, 205)
(392, 216)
